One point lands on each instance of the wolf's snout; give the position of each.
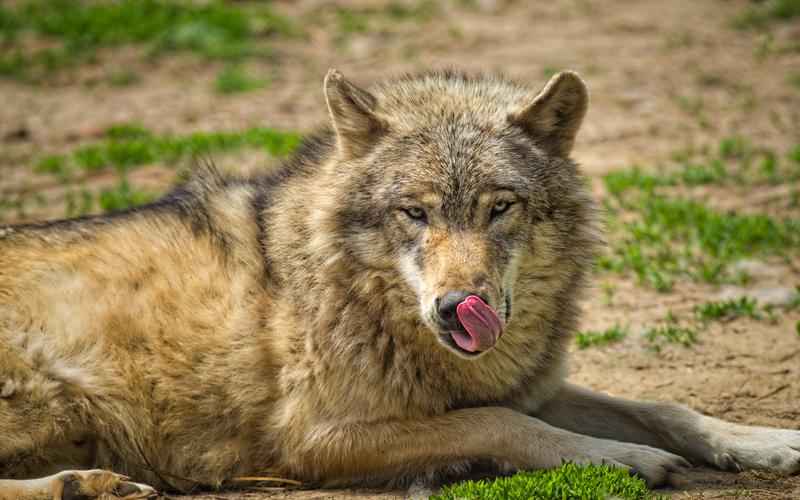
(447, 308)
(471, 323)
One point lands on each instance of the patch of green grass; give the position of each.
(351, 21)
(761, 14)
(670, 237)
(233, 79)
(52, 164)
(549, 71)
(794, 79)
(129, 146)
(670, 333)
(123, 78)
(695, 107)
(695, 174)
(592, 338)
(421, 11)
(727, 310)
(357, 20)
(620, 181)
(734, 147)
(214, 29)
(123, 196)
(661, 237)
(79, 202)
(569, 481)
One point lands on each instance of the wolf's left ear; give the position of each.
(555, 115)
(353, 115)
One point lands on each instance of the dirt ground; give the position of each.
(663, 76)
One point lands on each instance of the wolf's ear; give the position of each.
(353, 115)
(555, 115)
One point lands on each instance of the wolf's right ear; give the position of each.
(555, 115)
(353, 115)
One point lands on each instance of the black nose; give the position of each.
(446, 306)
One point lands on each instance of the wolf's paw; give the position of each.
(99, 484)
(739, 447)
(651, 464)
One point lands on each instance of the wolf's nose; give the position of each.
(446, 306)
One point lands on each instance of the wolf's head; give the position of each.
(463, 187)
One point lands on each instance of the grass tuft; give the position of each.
(661, 237)
(764, 13)
(233, 79)
(728, 310)
(213, 29)
(591, 338)
(569, 481)
(670, 333)
(128, 146)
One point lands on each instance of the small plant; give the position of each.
(661, 238)
(670, 332)
(570, 481)
(123, 78)
(75, 30)
(122, 197)
(763, 13)
(598, 338)
(728, 310)
(621, 181)
(233, 80)
(128, 146)
(713, 172)
(609, 290)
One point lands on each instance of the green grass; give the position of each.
(662, 237)
(358, 20)
(672, 237)
(727, 310)
(591, 338)
(794, 79)
(123, 195)
(736, 160)
(233, 79)
(621, 181)
(128, 146)
(670, 333)
(123, 78)
(214, 29)
(569, 481)
(764, 13)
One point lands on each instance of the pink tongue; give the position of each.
(481, 323)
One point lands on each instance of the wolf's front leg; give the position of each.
(675, 428)
(76, 485)
(335, 455)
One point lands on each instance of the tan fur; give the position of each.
(287, 324)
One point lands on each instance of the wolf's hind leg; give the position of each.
(674, 428)
(76, 485)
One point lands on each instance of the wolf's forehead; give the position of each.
(427, 99)
(456, 160)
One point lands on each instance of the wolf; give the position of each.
(392, 303)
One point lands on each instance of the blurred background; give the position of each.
(691, 144)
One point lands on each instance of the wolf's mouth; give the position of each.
(448, 340)
(478, 328)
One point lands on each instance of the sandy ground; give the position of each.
(664, 77)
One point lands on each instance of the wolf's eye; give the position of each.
(500, 207)
(416, 214)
